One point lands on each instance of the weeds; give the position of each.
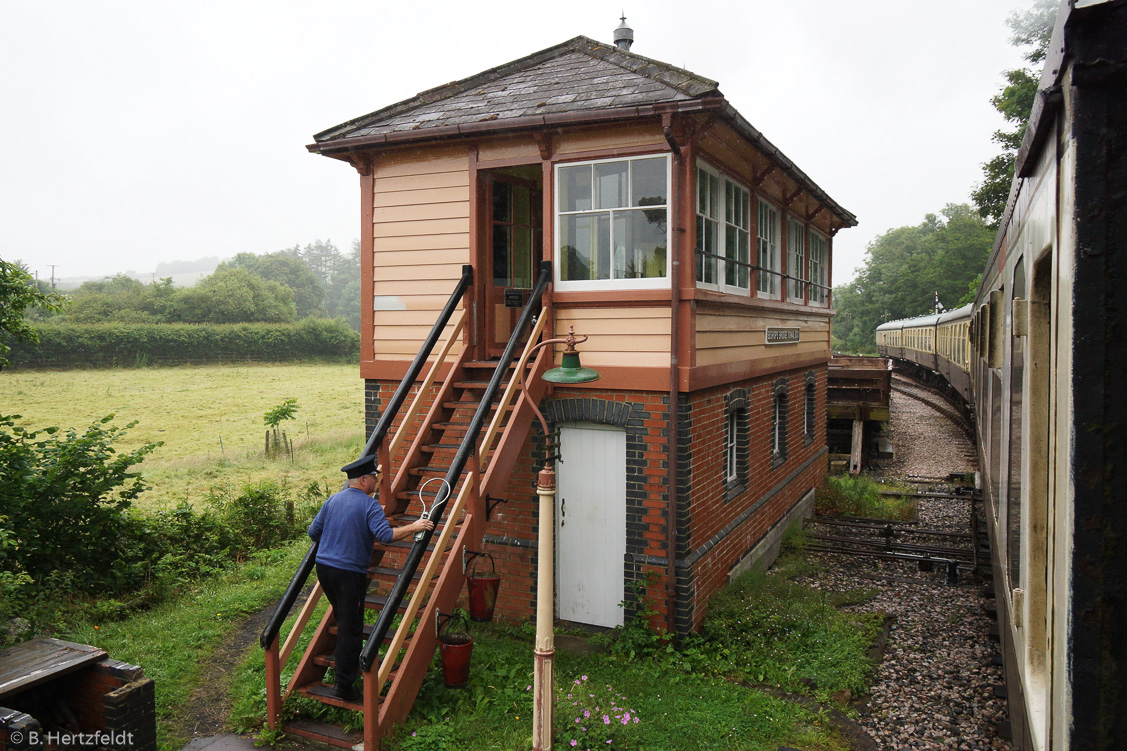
(765, 629)
(860, 495)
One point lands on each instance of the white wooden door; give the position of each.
(591, 524)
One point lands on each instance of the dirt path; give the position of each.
(209, 706)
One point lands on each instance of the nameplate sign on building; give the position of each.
(779, 335)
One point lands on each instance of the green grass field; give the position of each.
(209, 418)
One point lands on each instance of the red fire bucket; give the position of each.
(455, 648)
(483, 590)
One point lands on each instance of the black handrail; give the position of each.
(468, 446)
(378, 434)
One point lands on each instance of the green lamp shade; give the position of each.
(570, 371)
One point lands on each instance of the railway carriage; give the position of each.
(1041, 345)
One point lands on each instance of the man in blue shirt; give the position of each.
(346, 526)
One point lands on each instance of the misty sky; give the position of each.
(141, 132)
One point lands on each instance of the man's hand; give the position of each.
(400, 533)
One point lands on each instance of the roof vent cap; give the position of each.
(623, 35)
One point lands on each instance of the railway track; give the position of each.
(965, 550)
(935, 399)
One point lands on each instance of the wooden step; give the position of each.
(323, 692)
(456, 427)
(330, 661)
(434, 448)
(429, 471)
(323, 732)
(475, 385)
(462, 404)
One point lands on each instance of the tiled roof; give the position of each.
(578, 75)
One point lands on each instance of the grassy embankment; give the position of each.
(209, 418)
(680, 698)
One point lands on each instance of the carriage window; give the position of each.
(612, 228)
(1016, 439)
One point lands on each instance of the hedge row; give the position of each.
(136, 345)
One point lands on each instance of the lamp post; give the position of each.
(569, 372)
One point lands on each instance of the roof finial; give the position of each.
(623, 35)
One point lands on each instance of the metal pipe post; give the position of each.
(543, 688)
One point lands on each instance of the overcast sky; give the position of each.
(141, 132)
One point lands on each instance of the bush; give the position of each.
(65, 497)
(260, 516)
(70, 539)
(72, 345)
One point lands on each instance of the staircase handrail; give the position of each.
(467, 447)
(510, 390)
(274, 626)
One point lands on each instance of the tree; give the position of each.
(325, 260)
(234, 295)
(18, 295)
(288, 270)
(907, 268)
(1034, 29)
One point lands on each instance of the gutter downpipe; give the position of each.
(674, 336)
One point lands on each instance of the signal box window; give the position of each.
(779, 401)
(767, 241)
(736, 434)
(723, 233)
(796, 260)
(819, 267)
(612, 224)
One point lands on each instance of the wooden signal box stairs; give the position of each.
(405, 653)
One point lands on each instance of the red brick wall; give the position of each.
(717, 527)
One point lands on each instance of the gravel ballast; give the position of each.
(935, 687)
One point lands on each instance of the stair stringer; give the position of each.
(408, 679)
(504, 457)
(426, 431)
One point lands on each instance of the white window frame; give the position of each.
(769, 286)
(576, 285)
(731, 448)
(819, 274)
(796, 260)
(720, 216)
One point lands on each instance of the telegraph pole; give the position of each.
(53, 267)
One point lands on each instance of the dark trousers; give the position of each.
(345, 590)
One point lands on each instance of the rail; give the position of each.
(468, 446)
(816, 293)
(379, 433)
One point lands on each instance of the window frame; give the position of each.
(796, 261)
(768, 274)
(809, 408)
(578, 285)
(780, 403)
(720, 217)
(737, 450)
(818, 296)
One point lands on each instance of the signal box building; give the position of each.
(690, 250)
